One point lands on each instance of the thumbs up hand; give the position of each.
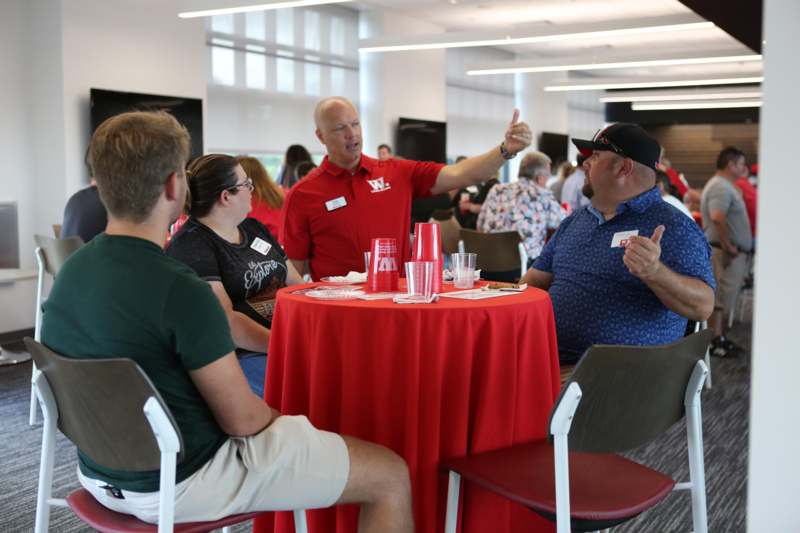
(518, 135)
(643, 254)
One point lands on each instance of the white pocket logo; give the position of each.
(379, 185)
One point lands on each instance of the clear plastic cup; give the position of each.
(463, 266)
(419, 278)
(366, 261)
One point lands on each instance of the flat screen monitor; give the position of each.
(421, 140)
(188, 111)
(555, 145)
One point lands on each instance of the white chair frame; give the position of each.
(37, 329)
(559, 428)
(168, 444)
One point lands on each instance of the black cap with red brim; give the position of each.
(626, 140)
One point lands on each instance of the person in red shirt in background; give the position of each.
(267, 203)
(676, 179)
(692, 200)
(749, 195)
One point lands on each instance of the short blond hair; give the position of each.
(132, 156)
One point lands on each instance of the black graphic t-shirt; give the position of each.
(251, 272)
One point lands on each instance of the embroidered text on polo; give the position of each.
(379, 185)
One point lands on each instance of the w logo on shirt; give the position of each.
(379, 185)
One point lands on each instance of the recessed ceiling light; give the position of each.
(258, 7)
(661, 106)
(629, 83)
(554, 33)
(616, 64)
(659, 96)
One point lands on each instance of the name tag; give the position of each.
(621, 237)
(261, 246)
(336, 203)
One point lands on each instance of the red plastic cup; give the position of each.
(428, 247)
(384, 270)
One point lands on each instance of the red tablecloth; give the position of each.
(428, 381)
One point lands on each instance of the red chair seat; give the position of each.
(603, 487)
(107, 521)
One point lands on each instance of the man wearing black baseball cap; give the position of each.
(629, 268)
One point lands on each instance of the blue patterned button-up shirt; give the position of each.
(521, 206)
(596, 299)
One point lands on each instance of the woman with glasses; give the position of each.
(238, 256)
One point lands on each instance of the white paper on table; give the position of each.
(416, 299)
(379, 295)
(476, 294)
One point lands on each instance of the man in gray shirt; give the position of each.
(727, 229)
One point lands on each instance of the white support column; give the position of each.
(398, 84)
(543, 111)
(773, 480)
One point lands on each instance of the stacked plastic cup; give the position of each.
(428, 247)
(384, 271)
(419, 278)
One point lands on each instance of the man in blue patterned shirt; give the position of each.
(629, 268)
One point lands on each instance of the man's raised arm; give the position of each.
(475, 169)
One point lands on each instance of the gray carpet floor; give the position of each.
(725, 421)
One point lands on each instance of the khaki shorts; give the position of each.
(290, 465)
(729, 273)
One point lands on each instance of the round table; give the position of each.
(428, 381)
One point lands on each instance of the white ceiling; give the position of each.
(538, 15)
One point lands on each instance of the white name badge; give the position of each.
(621, 237)
(336, 203)
(261, 246)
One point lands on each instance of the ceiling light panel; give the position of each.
(707, 104)
(257, 7)
(564, 66)
(683, 95)
(598, 84)
(563, 32)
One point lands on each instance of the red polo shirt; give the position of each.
(331, 216)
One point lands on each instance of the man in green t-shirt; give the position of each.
(121, 296)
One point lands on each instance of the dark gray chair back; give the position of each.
(631, 394)
(100, 408)
(56, 251)
(497, 252)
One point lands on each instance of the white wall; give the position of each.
(398, 84)
(54, 52)
(247, 121)
(17, 183)
(774, 469)
(15, 180)
(478, 107)
(130, 45)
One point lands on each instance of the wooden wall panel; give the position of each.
(693, 149)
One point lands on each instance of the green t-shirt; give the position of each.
(123, 297)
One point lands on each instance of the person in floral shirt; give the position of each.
(525, 205)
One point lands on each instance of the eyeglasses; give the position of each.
(601, 138)
(246, 184)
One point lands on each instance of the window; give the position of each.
(255, 25)
(285, 27)
(300, 51)
(222, 59)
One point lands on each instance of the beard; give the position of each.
(587, 190)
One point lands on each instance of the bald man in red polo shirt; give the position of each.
(332, 215)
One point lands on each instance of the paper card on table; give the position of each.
(379, 295)
(477, 294)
